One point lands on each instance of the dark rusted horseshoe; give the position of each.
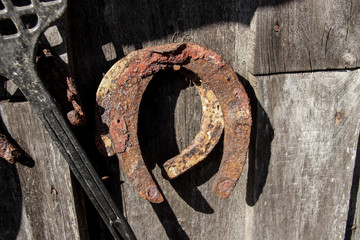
(224, 101)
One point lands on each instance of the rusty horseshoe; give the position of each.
(225, 105)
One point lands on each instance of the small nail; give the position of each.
(338, 116)
(277, 28)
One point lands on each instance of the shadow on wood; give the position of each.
(262, 135)
(24, 159)
(120, 26)
(10, 201)
(134, 22)
(11, 195)
(353, 196)
(123, 26)
(160, 140)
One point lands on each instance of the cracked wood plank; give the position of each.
(315, 117)
(308, 35)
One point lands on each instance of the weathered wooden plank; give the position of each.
(307, 35)
(315, 117)
(305, 187)
(43, 206)
(265, 204)
(307, 180)
(102, 32)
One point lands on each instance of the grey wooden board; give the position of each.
(102, 32)
(313, 35)
(307, 190)
(279, 196)
(36, 212)
(296, 188)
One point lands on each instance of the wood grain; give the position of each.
(307, 180)
(311, 35)
(44, 207)
(279, 196)
(307, 191)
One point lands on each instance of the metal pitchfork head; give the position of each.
(21, 23)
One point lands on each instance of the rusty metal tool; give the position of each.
(21, 27)
(60, 85)
(8, 150)
(225, 105)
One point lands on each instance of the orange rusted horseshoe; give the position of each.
(225, 105)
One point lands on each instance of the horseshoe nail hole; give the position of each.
(229, 79)
(152, 192)
(7, 27)
(29, 21)
(218, 107)
(21, 3)
(118, 121)
(226, 185)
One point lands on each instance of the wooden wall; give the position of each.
(298, 61)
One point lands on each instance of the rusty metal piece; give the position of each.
(9, 151)
(211, 128)
(118, 100)
(60, 85)
(76, 116)
(338, 116)
(277, 28)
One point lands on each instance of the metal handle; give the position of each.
(86, 174)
